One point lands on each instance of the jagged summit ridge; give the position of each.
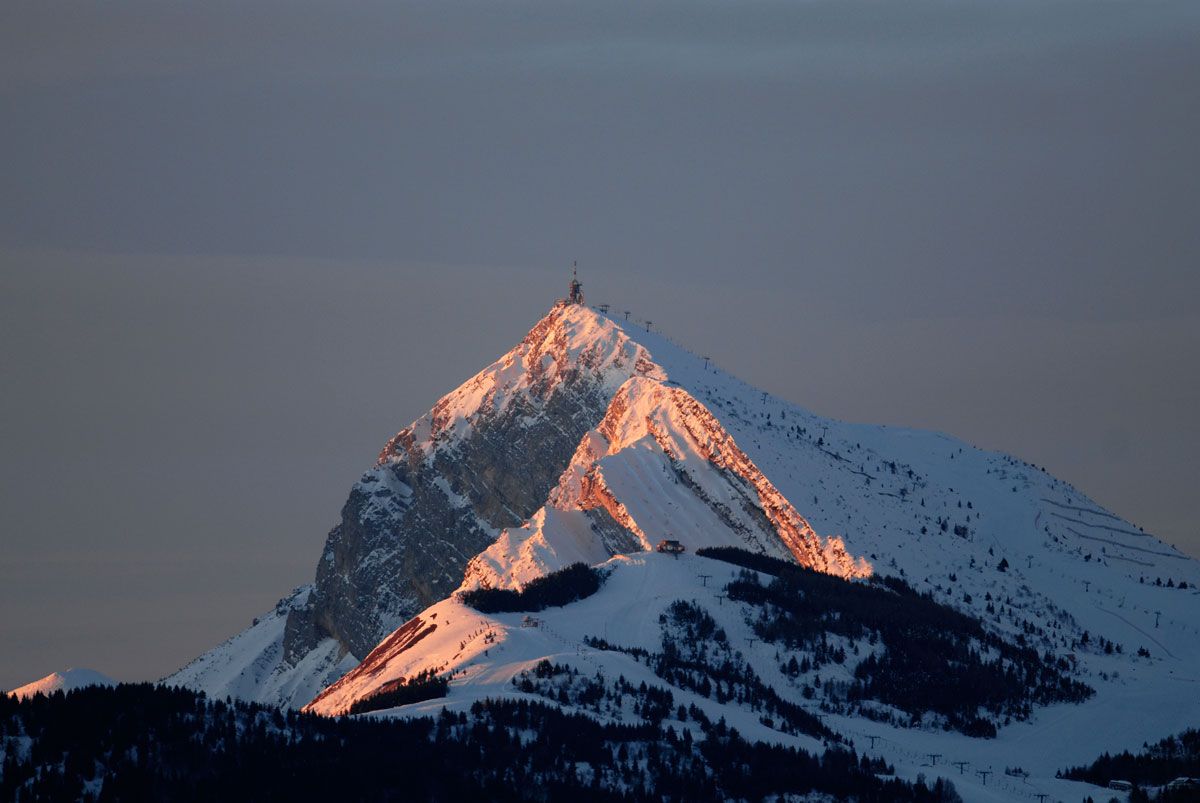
(569, 342)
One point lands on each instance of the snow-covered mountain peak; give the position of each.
(71, 679)
(482, 459)
(593, 438)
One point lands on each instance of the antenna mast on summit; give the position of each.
(575, 296)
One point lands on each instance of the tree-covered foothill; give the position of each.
(696, 656)
(921, 657)
(598, 694)
(564, 586)
(1156, 765)
(144, 742)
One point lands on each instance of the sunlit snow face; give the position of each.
(658, 465)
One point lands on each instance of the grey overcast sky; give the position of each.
(243, 243)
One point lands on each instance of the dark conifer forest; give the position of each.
(566, 585)
(422, 686)
(923, 658)
(144, 742)
(1157, 765)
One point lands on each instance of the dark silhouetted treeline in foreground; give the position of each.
(144, 742)
(1156, 766)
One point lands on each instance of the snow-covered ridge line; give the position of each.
(659, 465)
(403, 638)
(717, 445)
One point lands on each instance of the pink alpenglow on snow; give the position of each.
(659, 465)
(570, 338)
(63, 681)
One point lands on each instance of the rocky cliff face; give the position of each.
(482, 459)
(412, 522)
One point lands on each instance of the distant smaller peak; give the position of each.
(69, 680)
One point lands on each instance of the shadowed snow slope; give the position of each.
(63, 681)
(252, 664)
